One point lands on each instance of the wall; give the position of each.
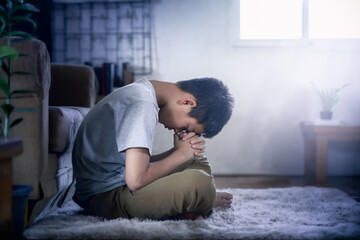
(194, 38)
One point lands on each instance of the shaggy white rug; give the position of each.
(275, 213)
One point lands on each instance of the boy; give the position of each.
(116, 175)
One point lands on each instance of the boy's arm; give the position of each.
(139, 172)
(158, 157)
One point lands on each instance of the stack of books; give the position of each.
(108, 77)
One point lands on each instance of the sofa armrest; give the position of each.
(72, 85)
(63, 125)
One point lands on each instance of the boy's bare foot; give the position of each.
(223, 199)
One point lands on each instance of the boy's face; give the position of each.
(175, 116)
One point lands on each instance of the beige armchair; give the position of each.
(48, 133)
(29, 167)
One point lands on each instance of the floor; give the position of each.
(350, 185)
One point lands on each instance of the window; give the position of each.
(275, 19)
(336, 19)
(298, 20)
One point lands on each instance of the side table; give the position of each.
(316, 138)
(8, 150)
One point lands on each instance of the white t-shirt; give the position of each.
(124, 119)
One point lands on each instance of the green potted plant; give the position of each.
(13, 13)
(329, 98)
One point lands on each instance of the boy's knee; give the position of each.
(199, 180)
(200, 163)
(200, 191)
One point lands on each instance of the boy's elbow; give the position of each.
(133, 187)
(133, 184)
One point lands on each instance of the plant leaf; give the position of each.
(20, 39)
(28, 7)
(24, 19)
(32, 22)
(5, 87)
(5, 68)
(8, 52)
(16, 122)
(7, 108)
(341, 88)
(15, 19)
(9, 5)
(3, 24)
(21, 34)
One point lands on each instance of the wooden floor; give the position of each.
(350, 185)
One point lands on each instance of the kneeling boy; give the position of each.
(116, 174)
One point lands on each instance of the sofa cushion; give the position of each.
(72, 85)
(63, 125)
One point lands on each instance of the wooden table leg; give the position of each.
(8, 150)
(321, 156)
(6, 199)
(309, 161)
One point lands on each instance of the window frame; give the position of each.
(305, 41)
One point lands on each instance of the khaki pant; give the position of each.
(188, 189)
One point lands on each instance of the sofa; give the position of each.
(64, 95)
(72, 93)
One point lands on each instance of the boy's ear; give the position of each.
(188, 102)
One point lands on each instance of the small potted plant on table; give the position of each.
(329, 98)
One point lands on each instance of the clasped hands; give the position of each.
(191, 143)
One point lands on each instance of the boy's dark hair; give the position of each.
(214, 103)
